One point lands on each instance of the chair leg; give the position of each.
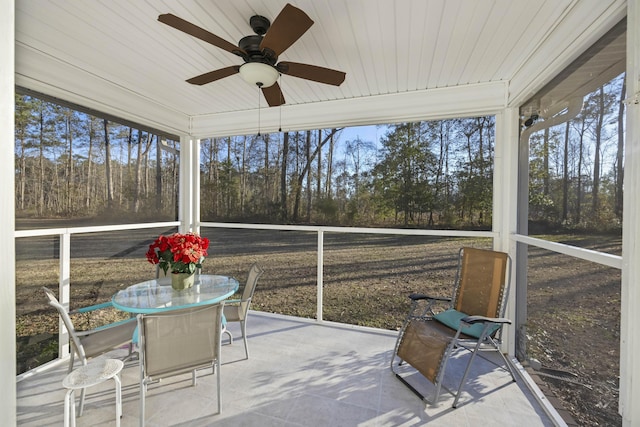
(395, 348)
(448, 352)
(83, 392)
(118, 383)
(143, 386)
(464, 376)
(217, 363)
(226, 331)
(504, 359)
(243, 325)
(69, 409)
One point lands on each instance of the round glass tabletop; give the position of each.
(157, 295)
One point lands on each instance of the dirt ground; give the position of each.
(573, 306)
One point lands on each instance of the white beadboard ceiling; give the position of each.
(404, 59)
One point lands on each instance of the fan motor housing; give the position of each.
(251, 45)
(259, 24)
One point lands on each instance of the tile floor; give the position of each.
(300, 373)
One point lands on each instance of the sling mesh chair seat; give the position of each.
(237, 310)
(472, 320)
(94, 342)
(177, 342)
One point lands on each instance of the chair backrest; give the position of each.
(179, 341)
(481, 282)
(252, 280)
(250, 286)
(62, 312)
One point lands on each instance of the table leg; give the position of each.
(69, 409)
(116, 379)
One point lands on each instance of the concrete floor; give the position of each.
(300, 373)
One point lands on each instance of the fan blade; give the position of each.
(214, 75)
(290, 24)
(312, 72)
(273, 95)
(195, 31)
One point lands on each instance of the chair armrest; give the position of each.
(232, 301)
(92, 308)
(422, 306)
(475, 319)
(418, 297)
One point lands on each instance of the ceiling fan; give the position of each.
(260, 52)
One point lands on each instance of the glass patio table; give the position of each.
(157, 295)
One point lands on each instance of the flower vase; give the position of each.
(180, 281)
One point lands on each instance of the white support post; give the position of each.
(195, 194)
(188, 189)
(320, 284)
(64, 291)
(7, 215)
(505, 205)
(630, 315)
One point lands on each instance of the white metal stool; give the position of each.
(94, 373)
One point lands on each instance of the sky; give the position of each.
(366, 133)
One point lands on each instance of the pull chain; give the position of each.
(259, 86)
(280, 107)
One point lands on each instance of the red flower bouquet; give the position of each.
(182, 253)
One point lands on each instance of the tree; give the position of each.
(24, 120)
(143, 143)
(107, 164)
(440, 132)
(283, 178)
(307, 167)
(360, 154)
(565, 175)
(405, 170)
(620, 149)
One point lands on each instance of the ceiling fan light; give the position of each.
(259, 74)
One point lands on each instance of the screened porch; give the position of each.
(522, 64)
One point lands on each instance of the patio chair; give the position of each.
(472, 321)
(93, 342)
(176, 342)
(237, 310)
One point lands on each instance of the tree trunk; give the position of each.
(87, 202)
(620, 152)
(216, 178)
(565, 175)
(107, 164)
(130, 174)
(308, 160)
(267, 180)
(283, 178)
(158, 176)
(69, 180)
(22, 178)
(296, 180)
(545, 163)
(328, 184)
(40, 208)
(243, 176)
(596, 155)
(441, 138)
(229, 163)
(306, 169)
(319, 170)
(579, 184)
(137, 174)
